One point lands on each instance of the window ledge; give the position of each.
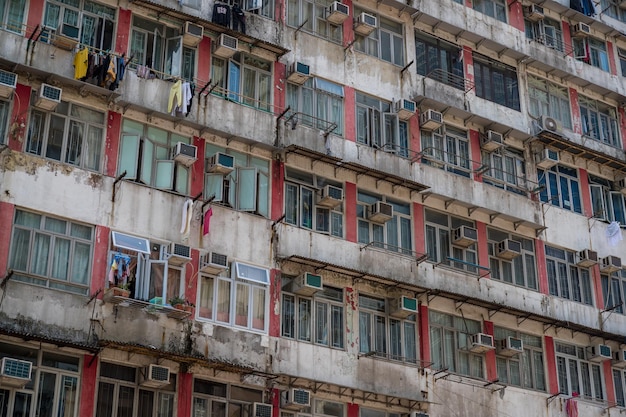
(120, 301)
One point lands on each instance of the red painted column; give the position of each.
(89, 382)
(353, 410)
(612, 62)
(192, 278)
(577, 124)
(35, 15)
(468, 63)
(585, 192)
(474, 142)
(6, 225)
(567, 36)
(468, 3)
(415, 145)
(197, 169)
(275, 287)
(482, 246)
(350, 211)
(185, 391)
(122, 38)
(100, 261)
(516, 15)
(280, 94)
(597, 286)
(204, 61)
(281, 16)
(19, 114)
(622, 125)
(553, 381)
(424, 335)
(352, 333)
(275, 401)
(490, 356)
(112, 143)
(542, 273)
(418, 228)
(608, 382)
(349, 114)
(278, 189)
(348, 31)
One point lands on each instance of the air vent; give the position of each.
(365, 24)
(295, 399)
(178, 254)
(464, 236)
(431, 120)
(262, 410)
(508, 249)
(220, 163)
(306, 284)
(337, 13)
(192, 34)
(547, 158)
(185, 154)
(481, 342)
(510, 346)
(299, 73)
(155, 376)
(403, 306)
(587, 258)
(213, 263)
(405, 108)
(491, 141)
(49, 97)
(380, 212)
(8, 82)
(225, 46)
(330, 196)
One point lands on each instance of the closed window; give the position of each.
(560, 187)
(576, 374)
(619, 379)
(319, 104)
(440, 242)
(591, 51)
(385, 42)
(394, 234)
(496, 82)
(506, 170)
(525, 369)
(311, 16)
(12, 14)
(549, 99)
(243, 79)
(492, 8)
(613, 9)
(439, 60)
(447, 148)
(379, 127)
(614, 291)
(599, 121)
(606, 201)
(71, 134)
(519, 270)
(215, 399)
(565, 279)
(4, 121)
(621, 53)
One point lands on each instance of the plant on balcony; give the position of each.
(181, 303)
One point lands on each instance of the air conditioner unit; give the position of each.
(225, 46)
(331, 196)
(185, 154)
(262, 410)
(619, 359)
(365, 24)
(405, 108)
(587, 258)
(464, 236)
(155, 376)
(8, 82)
(15, 372)
(510, 346)
(534, 13)
(220, 163)
(581, 29)
(481, 342)
(418, 414)
(380, 212)
(295, 399)
(403, 306)
(547, 158)
(299, 73)
(550, 124)
(508, 249)
(213, 263)
(599, 353)
(306, 284)
(338, 12)
(66, 37)
(610, 264)
(491, 140)
(49, 97)
(621, 185)
(178, 254)
(431, 120)
(192, 34)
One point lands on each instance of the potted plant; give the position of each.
(121, 290)
(181, 303)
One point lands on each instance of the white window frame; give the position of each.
(592, 51)
(492, 8)
(320, 104)
(560, 187)
(5, 114)
(606, 203)
(566, 279)
(447, 148)
(378, 126)
(13, 24)
(439, 246)
(528, 366)
(576, 374)
(549, 99)
(614, 291)
(606, 127)
(311, 15)
(233, 86)
(506, 170)
(373, 44)
(396, 234)
(521, 270)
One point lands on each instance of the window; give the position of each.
(303, 192)
(51, 252)
(518, 271)
(492, 8)
(317, 319)
(246, 188)
(146, 157)
(506, 170)
(549, 99)
(369, 412)
(119, 394)
(244, 79)
(4, 120)
(377, 125)
(546, 31)
(447, 148)
(621, 53)
(618, 382)
(614, 291)
(496, 82)
(394, 235)
(240, 300)
(560, 188)
(320, 103)
(565, 279)
(576, 374)
(606, 201)
(70, 134)
(161, 48)
(385, 42)
(384, 335)
(439, 242)
(312, 14)
(599, 121)
(591, 51)
(524, 370)
(439, 60)
(216, 399)
(612, 9)
(12, 15)
(450, 342)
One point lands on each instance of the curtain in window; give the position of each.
(68, 396)
(321, 320)
(258, 308)
(304, 320)
(365, 332)
(41, 252)
(60, 258)
(93, 148)
(410, 349)
(206, 297)
(246, 189)
(336, 318)
(242, 300)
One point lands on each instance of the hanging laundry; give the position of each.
(221, 14)
(176, 97)
(187, 97)
(614, 233)
(571, 407)
(113, 280)
(239, 18)
(185, 227)
(207, 221)
(81, 61)
(192, 89)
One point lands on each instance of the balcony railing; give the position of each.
(294, 118)
(451, 79)
(418, 256)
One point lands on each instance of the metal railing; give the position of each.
(453, 80)
(418, 256)
(555, 43)
(293, 119)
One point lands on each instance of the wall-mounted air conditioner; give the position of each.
(547, 158)
(599, 353)
(491, 140)
(338, 12)
(225, 46)
(299, 73)
(306, 284)
(380, 212)
(220, 163)
(587, 258)
(508, 249)
(481, 342)
(580, 30)
(405, 108)
(178, 254)
(550, 124)
(610, 264)
(510, 346)
(8, 82)
(330, 196)
(464, 236)
(213, 263)
(154, 376)
(185, 154)
(621, 185)
(295, 399)
(192, 34)
(49, 97)
(262, 410)
(15, 372)
(403, 306)
(619, 359)
(534, 13)
(431, 120)
(365, 24)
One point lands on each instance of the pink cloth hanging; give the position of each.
(207, 221)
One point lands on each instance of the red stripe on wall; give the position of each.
(516, 15)
(275, 287)
(483, 247)
(577, 124)
(490, 356)
(542, 273)
(112, 145)
(349, 114)
(197, 169)
(280, 87)
(122, 38)
(19, 114)
(350, 210)
(89, 381)
(278, 187)
(586, 193)
(475, 153)
(612, 61)
(6, 225)
(35, 15)
(204, 60)
(418, 228)
(553, 381)
(424, 333)
(185, 390)
(353, 410)
(608, 382)
(415, 144)
(100, 268)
